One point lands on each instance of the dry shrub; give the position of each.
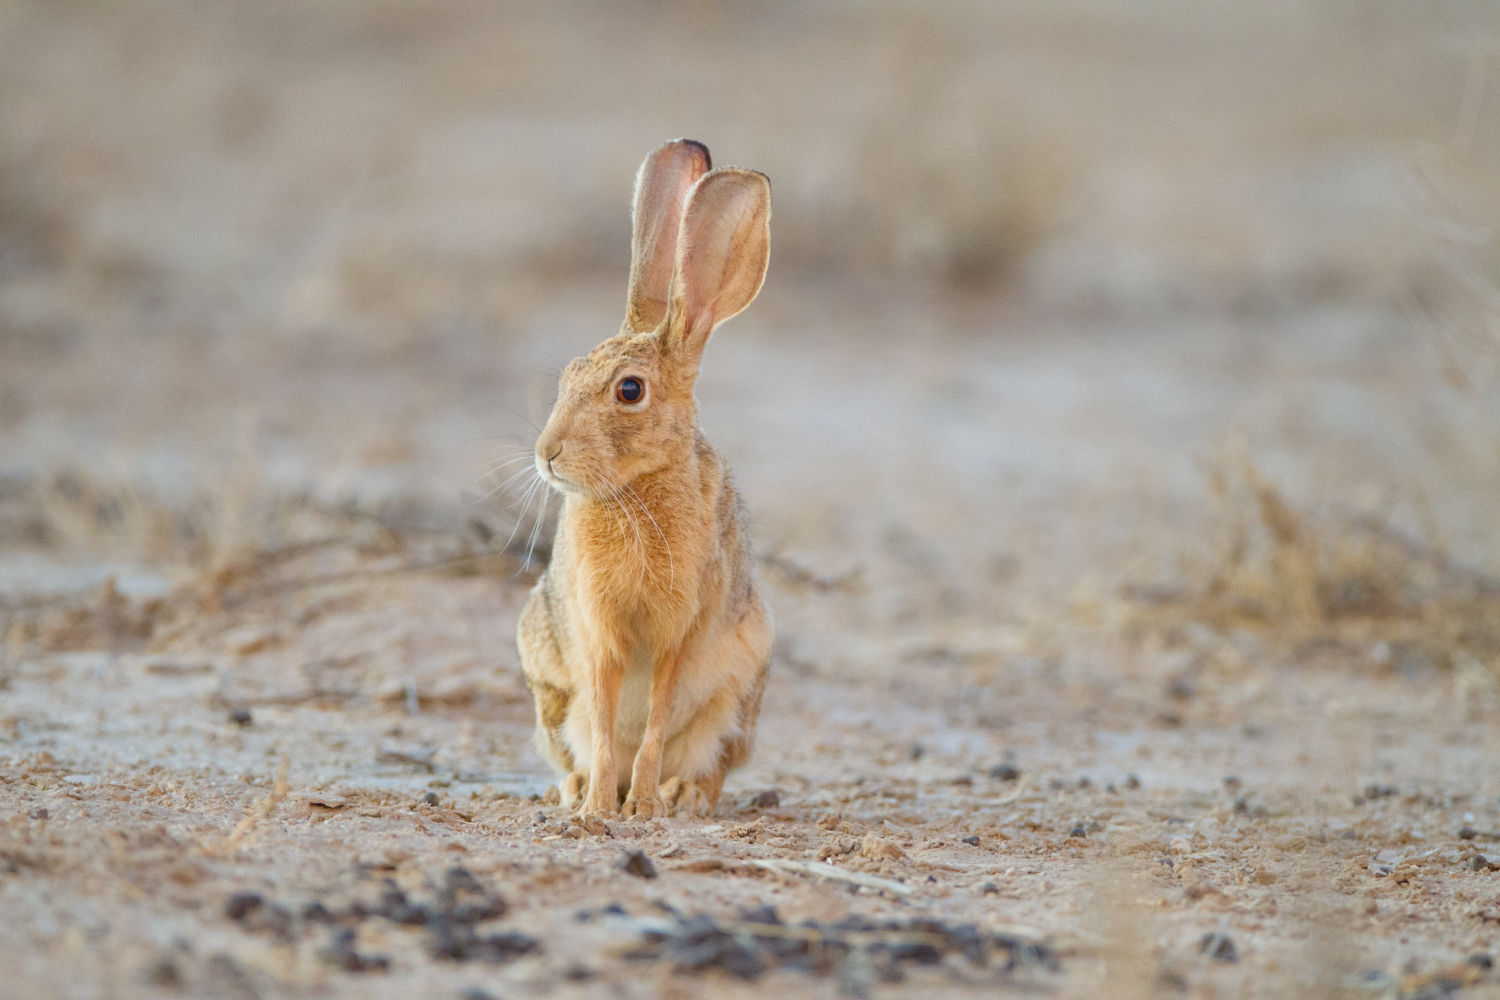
(212, 550)
(1331, 582)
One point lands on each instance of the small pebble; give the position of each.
(768, 799)
(1005, 772)
(1132, 782)
(430, 798)
(636, 863)
(242, 904)
(240, 716)
(1218, 947)
(1078, 831)
(764, 914)
(971, 841)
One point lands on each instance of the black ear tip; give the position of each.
(708, 161)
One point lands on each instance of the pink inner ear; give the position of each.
(723, 250)
(666, 177)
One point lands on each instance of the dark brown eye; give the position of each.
(630, 390)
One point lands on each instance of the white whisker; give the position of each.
(671, 569)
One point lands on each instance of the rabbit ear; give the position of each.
(722, 254)
(661, 187)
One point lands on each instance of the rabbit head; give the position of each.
(700, 245)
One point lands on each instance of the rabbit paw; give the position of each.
(573, 788)
(603, 805)
(685, 798)
(644, 808)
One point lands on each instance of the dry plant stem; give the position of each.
(644, 799)
(258, 812)
(603, 794)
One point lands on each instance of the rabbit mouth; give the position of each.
(558, 481)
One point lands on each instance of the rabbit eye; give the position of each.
(630, 390)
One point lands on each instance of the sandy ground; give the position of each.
(1130, 538)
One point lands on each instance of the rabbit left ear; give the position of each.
(661, 188)
(722, 255)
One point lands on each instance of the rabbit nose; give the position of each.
(554, 455)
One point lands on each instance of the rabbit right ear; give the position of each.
(661, 189)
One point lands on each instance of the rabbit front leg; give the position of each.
(644, 799)
(604, 704)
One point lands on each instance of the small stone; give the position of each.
(1078, 831)
(989, 889)
(1218, 947)
(765, 914)
(1232, 783)
(242, 904)
(768, 799)
(240, 716)
(1132, 782)
(971, 841)
(430, 798)
(1467, 833)
(1480, 960)
(1004, 772)
(39, 814)
(636, 863)
(1485, 863)
(916, 752)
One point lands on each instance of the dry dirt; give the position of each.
(1127, 509)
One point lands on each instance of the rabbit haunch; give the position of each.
(646, 642)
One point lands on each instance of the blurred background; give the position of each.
(1061, 293)
(1119, 425)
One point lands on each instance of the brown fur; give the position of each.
(646, 643)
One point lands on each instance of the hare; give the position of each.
(646, 642)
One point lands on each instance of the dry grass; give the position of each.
(1332, 582)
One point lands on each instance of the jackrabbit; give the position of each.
(646, 642)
